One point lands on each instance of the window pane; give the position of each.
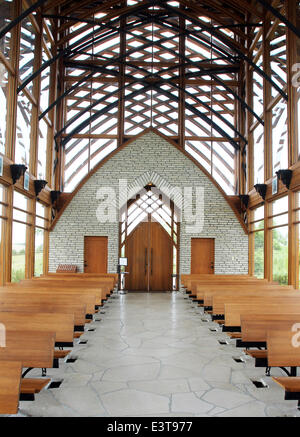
(6, 9)
(2, 199)
(42, 149)
(39, 251)
(20, 202)
(18, 252)
(3, 94)
(40, 211)
(26, 50)
(259, 254)
(280, 255)
(23, 130)
(280, 137)
(258, 140)
(2, 258)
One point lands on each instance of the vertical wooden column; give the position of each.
(292, 105)
(59, 152)
(52, 113)
(268, 161)
(8, 234)
(34, 147)
(36, 90)
(249, 116)
(251, 246)
(30, 240)
(268, 243)
(121, 104)
(181, 108)
(240, 124)
(293, 143)
(293, 243)
(11, 117)
(46, 243)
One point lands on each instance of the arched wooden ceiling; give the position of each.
(113, 76)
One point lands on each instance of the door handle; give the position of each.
(212, 265)
(146, 252)
(151, 260)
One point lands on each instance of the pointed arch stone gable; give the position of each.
(126, 144)
(149, 158)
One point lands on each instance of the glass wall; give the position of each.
(39, 240)
(3, 104)
(19, 237)
(279, 229)
(2, 231)
(22, 153)
(257, 228)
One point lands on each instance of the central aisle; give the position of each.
(152, 355)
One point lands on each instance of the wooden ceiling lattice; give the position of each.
(176, 66)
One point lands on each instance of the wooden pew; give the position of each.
(254, 327)
(280, 352)
(219, 299)
(61, 324)
(214, 289)
(190, 281)
(186, 278)
(32, 350)
(77, 310)
(283, 353)
(82, 287)
(10, 382)
(192, 284)
(92, 298)
(104, 282)
(78, 275)
(12, 295)
(234, 311)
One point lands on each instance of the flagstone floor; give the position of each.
(153, 355)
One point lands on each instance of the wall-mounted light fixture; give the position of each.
(261, 189)
(17, 170)
(39, 184)
(285, 176)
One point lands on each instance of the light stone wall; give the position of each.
(150, 158)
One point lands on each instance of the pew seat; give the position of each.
(32, 386)
(291, 385)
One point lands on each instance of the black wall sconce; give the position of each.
(39, 185)
(244, 199)
(54, 196)
(17, 170)
(261, 189)
(285, 176)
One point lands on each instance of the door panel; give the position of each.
(149, 250)
(95, 254)
(137, 254)
(202, 255)
(160, 259)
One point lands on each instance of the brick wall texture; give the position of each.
(150, 158)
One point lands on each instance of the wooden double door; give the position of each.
(149, 250)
